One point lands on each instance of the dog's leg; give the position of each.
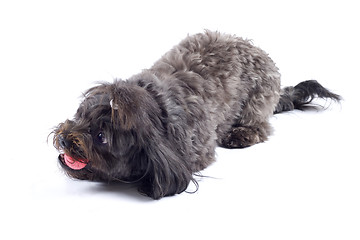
(245, 136)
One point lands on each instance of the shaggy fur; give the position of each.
(161, 126)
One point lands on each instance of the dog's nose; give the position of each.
(64, 143)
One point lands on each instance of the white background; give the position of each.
(304, 183)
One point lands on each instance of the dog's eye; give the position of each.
(101, 138)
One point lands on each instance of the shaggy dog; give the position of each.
(161, 126)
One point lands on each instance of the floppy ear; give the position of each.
(168, 174)
(168, 169)
(141, 110)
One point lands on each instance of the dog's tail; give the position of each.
(300, 96)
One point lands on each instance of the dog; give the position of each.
(159, 128)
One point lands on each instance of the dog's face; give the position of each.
(119, 134)
(98, 142)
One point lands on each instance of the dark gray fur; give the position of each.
(165, 123)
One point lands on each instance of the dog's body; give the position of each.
(162, 125)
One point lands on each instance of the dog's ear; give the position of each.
(135, 108)
(167, 173)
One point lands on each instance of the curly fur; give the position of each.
(161, 126)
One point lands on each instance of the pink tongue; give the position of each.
(74, 164)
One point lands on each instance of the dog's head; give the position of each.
(119, 133)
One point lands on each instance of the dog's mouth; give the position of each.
(75, 164)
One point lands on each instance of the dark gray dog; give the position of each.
(161, 126)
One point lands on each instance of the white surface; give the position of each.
(304, 183)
